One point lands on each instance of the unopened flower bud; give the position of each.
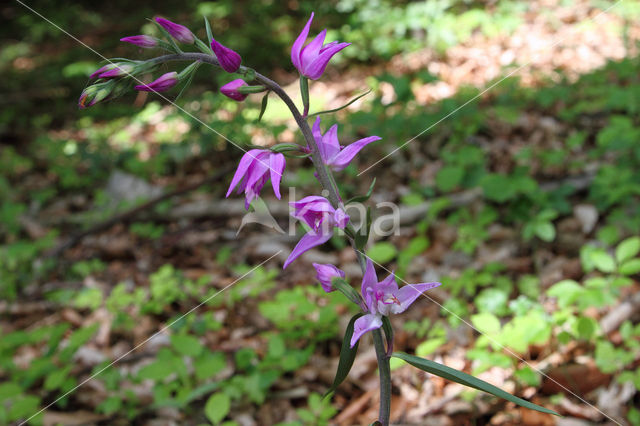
(177, 31)
(229, 60)
(141, 41)
(162, 83)
(117, 71)
(230, 90)
(326, 273)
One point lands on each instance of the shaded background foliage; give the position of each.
(521, 261)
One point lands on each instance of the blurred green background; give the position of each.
(527, 201)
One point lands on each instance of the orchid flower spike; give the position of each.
(333, 155)
(312, 59)
(319, 215)
(141, 41)
(384, 298)
(229, 60)
(325, 273)
(254, 169)
(177, 31)
(162, 83)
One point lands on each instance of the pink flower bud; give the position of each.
(326, 273)
(162, 83)
(177, 31)
(141, 41)
(230, 90)
(229, 60)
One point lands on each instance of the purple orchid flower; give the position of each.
(141, 41)
(335, 156)
(177, 31)
(229, 60)
(254, 169)
(317, 213)
(325, 273)
(162, 83)
(312, 59)
(384, 298)
(230, 90)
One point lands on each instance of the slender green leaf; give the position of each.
(203, 47)
(347, 356)
(263, 107)
(363, 198)
(467, 380)
(190, 72)
(209, 32)
(343, 106)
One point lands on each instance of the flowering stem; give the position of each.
(327, 181)
(323, 172)
(385, 378)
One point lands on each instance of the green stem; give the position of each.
(385, 378)
(326, 180)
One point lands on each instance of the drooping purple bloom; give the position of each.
(162, 83)
(230, 90)
(325, 273)
(312, 59)
(177, 31)
(384, 298)
(229, 60)
(254, 169)
(319, 215)
(141, 41)
(335, 156)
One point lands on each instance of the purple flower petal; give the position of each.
(297, 45)
(312, 50)
(330, 143)
(243, 167)
(315, 69)
(309, 240)
(369, 283)
(408, 294)
(344, 157)
(364, 324)
(276, 166)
